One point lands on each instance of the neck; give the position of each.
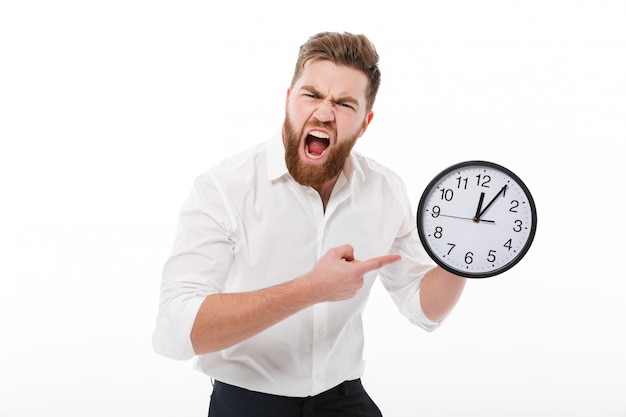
(325, 190)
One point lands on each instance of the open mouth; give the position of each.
(315, 144)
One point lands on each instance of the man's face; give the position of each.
(325, 115)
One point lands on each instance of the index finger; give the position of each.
(377, 262)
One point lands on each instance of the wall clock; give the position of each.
(476, 219)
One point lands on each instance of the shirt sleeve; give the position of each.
(198, 266)
(403, 279)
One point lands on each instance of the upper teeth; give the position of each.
(318, 134)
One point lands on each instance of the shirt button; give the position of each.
(319, 377)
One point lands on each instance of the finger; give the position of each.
(378, 262)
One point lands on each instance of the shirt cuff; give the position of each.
(172, 335)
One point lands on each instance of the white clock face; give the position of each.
(476, 219)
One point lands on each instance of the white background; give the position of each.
(109, 109)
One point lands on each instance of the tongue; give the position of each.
(317, 146)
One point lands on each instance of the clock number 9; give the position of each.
(435, 211)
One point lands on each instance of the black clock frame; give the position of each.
(448, 171)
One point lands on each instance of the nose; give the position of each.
(324, 112)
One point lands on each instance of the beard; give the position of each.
(314, 175)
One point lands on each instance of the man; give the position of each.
(277, 249)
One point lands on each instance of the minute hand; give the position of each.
(502, 190)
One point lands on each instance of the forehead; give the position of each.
(332, 79)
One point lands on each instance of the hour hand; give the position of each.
(480, 205)
(492, 200)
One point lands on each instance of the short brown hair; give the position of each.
(347, 49)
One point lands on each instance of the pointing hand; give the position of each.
(338, 276)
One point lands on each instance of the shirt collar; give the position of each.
(275, 154)
(277, 167)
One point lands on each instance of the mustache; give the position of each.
(321, 125)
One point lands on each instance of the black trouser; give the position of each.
(348, 399)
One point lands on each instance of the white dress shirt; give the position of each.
(248, 225)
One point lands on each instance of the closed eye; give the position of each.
(346, 105)
(308, 91)
(344, 102)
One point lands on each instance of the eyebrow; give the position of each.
(345, 99)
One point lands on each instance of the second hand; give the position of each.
(467, 218)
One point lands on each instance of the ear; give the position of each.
(366, 122)
(287, 98)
